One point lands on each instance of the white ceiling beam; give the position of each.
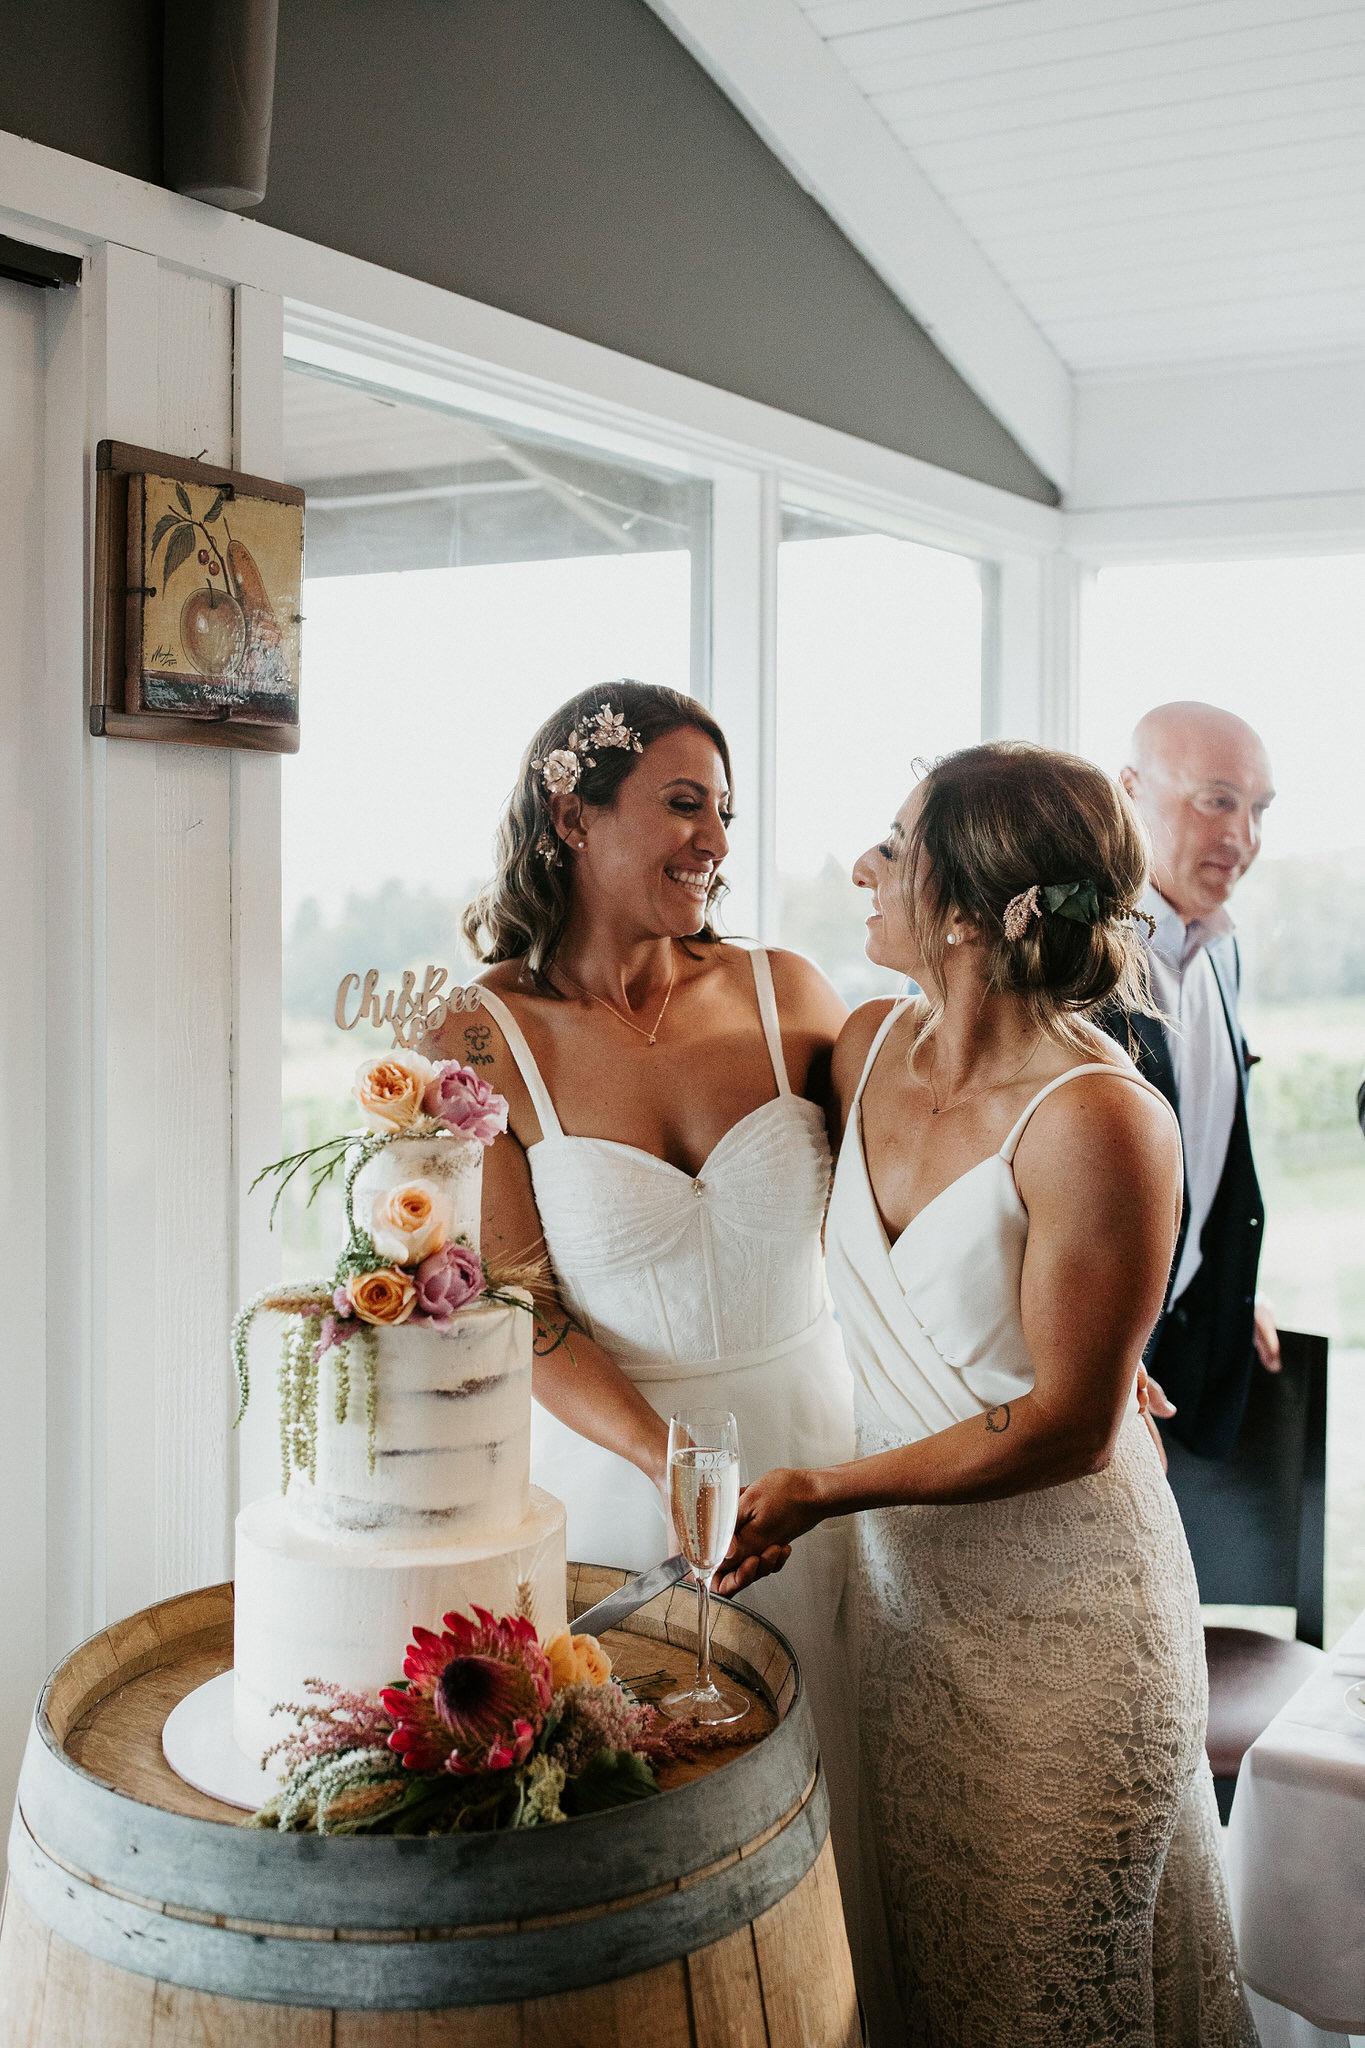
(769, 61)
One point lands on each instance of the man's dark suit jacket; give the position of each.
(1202, 1350)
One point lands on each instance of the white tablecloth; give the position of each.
(1296, 1858)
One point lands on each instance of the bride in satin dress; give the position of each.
(1033, 1688)
(668, 1095)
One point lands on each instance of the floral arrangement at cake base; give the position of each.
(404, 1261)
(486, 1729)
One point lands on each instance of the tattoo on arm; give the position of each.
(547, 1339)
(998, 1419)
(476, 1037)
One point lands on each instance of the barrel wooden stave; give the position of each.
(732, 1950)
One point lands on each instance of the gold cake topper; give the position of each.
(411, 1012)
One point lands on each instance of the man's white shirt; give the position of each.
(1202, 1055)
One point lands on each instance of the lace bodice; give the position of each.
(665, 1269)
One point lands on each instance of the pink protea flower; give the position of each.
(477, 1695)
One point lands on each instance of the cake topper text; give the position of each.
(412, 1013)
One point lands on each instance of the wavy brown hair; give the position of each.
(995, 819)
(522, 912)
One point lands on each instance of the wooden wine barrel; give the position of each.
(140, 1915)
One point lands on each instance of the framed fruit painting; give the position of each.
(198, 586)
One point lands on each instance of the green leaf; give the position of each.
(1078, 901)
(162, 528)
(614, 1777)
(178, 549)
(180, 493)
(214, 509)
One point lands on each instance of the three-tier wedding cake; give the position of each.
(406, 1417)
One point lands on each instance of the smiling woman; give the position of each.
(667, 1151)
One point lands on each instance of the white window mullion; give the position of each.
(743, 680)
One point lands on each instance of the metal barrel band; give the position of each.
(394, 1975)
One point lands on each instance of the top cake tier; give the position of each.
(449, 1173)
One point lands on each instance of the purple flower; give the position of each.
(465, 1103)
(446, 1282)
(330, 1334)
(341, 1302)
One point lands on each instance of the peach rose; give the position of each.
(406, 1222)
(577, 1660)
(382, 1297)
(390, 1090)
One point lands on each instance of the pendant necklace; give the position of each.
(933, 1092)
(650, 1032)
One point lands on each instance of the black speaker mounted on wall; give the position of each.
(219, 91)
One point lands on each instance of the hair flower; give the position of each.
(1019, 910)
(560, 770)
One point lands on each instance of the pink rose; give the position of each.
(449, 1280)
(465, 1103)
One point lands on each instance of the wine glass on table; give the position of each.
(703, 1484)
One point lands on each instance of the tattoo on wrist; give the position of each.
(998, 1419)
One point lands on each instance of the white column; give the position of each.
(745, 527)
(23, 1049)
(258, 438)
(1031, 657)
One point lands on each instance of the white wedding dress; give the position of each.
(1033, 1688)
(708, 1291)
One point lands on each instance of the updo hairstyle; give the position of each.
(993, 821)
(522, 912)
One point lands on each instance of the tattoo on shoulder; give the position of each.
(998, 1419)
(476, 1038)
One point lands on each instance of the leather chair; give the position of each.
(1255, 1523)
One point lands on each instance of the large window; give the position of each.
(1280, 643)
(878, 668)
(460, 581)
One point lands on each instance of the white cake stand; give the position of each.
(197, 1744)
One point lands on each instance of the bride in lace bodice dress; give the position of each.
(1032, 1685)
(667, 1099)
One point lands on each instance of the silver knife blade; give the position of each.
(609, 1613)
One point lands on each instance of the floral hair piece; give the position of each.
(1078, 901)
(561, 768)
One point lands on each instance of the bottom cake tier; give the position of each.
(307, 1608)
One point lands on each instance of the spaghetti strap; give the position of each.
(550, 1126)
(882, 1029)
(767, 1010)
(1008, 1149)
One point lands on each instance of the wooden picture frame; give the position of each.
(195, 639)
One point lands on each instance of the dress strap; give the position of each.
(1008, 1149)
(767, 1010)
(550, 1126)
(882, 1029)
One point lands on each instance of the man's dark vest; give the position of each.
(1202, 1351)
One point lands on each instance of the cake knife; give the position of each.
(609, 1613)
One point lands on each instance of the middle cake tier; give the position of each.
(448, 1417)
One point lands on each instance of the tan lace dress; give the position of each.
(1033, 1689)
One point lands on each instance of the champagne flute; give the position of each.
(703, 1485)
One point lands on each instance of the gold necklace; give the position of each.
(653, 1031)
(933, 1092)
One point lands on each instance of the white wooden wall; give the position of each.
(142, 892)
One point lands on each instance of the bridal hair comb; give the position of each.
(1078, 901)
(560, 769)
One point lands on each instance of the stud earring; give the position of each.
(951, 939)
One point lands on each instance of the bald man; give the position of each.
(1201, 779)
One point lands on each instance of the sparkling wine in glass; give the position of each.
(703, 1484)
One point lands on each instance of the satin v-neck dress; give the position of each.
(1033, 1687)
(708, 1291)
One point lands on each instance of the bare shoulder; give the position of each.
(475, 1038)
(804, 995)
(1101, 1132)
(855, 1042)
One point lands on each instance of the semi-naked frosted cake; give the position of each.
(407, 1423)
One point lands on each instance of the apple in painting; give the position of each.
(213, 630)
